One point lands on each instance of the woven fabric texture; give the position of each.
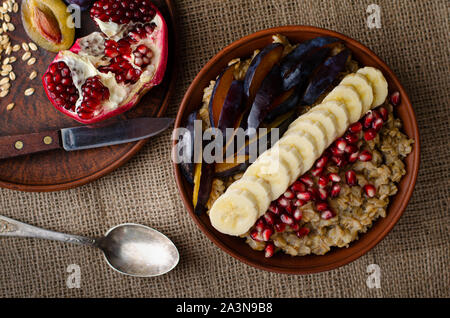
(414, 257)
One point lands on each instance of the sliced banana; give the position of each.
(234, 212)
(363, 87)
(315, 128)
(339, 111)
(305, 143)
(350, 97)
(290, 155)
(327, 119)
(273, 169)
(258, 187)
(379, 84)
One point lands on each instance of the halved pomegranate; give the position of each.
(105, 74)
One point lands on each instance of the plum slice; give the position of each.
(259, 68)
(325, 76)
(284, 103)
(227, 169)
(300, 74)
(219, 95)
(203, 179)
(269, 90)
(291, 61)
(186, 148)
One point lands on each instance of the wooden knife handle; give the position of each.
(19, 145)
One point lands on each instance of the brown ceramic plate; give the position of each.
(59, 170)
(281, 262)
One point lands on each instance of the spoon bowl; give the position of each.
(138, 250)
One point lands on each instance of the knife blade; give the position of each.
(83, 137)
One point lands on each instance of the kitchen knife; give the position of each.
(83, 137)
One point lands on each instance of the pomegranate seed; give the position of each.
(356, 127)
(260, 225)
(274, 208)
(289, 194)
(304, 196)
(370, 190)
(286, 219)
(339, 161)
(289, 209)
(341, 144)
(269, 217)
(353, 157)
(377, 124)
(316, 172)
(351, 138)
(370, 134)
(350, 176)
(321, 162)
(323, 194)
(298, 186)
(302, 232)
(395, 98)
(350, 149)
(256, 235)
(321, 206)
(282, 201)
(335, 190)
(269, 250)
(365, 155)
(280, 227)
(294, 227)
(334, 177)
(314, 193)
(266, 234)
(299, 202)
(323, 181)
(327, 214)
(336, 151)
(384, 113)
(307, 180)
(298, 214)
(368, 119)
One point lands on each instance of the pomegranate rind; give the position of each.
(159, 40)
(59, 10)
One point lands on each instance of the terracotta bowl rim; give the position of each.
(415, 153)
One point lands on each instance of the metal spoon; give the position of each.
(130, 249)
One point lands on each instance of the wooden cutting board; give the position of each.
(59, 170)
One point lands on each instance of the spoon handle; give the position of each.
(10, 227)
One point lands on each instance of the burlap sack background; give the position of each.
(414, 257)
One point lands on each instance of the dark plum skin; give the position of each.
(290, 61)
(284, 103)
(204, 186)
(325, 76)
(302, 71)
(270, 88)
(223, 170)
(220, 94)
(259, 68)
(232, 106)
(187, 168)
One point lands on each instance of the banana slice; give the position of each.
(315, 128)
(274, 170)
(290, 155)
(379, 84)
(363, 87)
(234, 212)
(339, 111)
(258, 187)
(305, 143)
(327, 119)
(349, 96)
